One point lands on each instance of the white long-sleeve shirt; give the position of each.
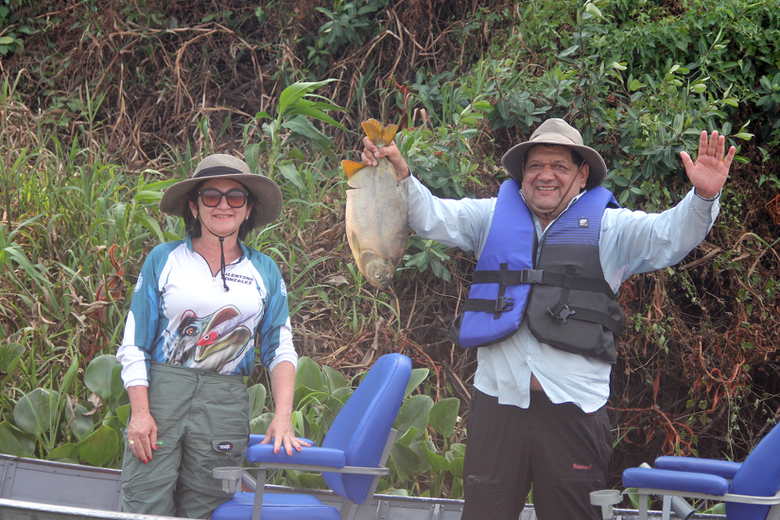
(631, 242)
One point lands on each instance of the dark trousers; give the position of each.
(564, 452)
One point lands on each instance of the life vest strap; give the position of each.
(563, 313)
(540, 276)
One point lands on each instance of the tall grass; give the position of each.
(81, 176)
(77, 226)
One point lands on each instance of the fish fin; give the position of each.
(350, 167)
(373, 129)
(388, 134)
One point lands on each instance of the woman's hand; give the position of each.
(141, 430)
(281, 431)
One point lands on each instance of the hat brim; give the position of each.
(514, 160)
(266, 194)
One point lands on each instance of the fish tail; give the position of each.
(377, 134)
(350, 167)
(388, 134)
(373, 129)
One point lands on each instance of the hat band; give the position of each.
(561, 139)
(216, 171)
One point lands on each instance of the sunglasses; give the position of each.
(211, 197)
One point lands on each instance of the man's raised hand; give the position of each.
(708, 174)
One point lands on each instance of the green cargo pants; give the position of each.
(202, 423)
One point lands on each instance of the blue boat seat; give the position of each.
(352, 456)
(751, 490)
(276, 506)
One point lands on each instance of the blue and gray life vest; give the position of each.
(564, 297)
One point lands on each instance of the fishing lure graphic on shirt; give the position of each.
(211, 341)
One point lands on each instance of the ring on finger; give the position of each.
(130, 442)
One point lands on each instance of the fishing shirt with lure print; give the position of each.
(182, 315)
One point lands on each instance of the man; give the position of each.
(552, 249)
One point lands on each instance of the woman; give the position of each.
(200, 309)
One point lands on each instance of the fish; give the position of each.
(211, 341)
(377, 212)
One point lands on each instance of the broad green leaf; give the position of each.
(569, 51)
(290, 172)
(414, 412)
(36, 412)
(417, 446)
(444, 416)
(296, 91)
(118, 213)
(295, 154)
(312, 111)
(14, 441)
(330, 409)
(452, 455)
(123, 413)
(698, 87)
(309, 375)
(418, 376)
(408, 437)
(437, 462)
(70, 375)
(112, 421)
(334, 377)
(302, 396)
(9, 356)
(299, 424)
(98, 375)
(257, 395)
(717, 509)
(405, 460)
(118, 393)
(456, 467)
(99, 448)
(81, 424)
(303, 127)
(593, 10)
(259, 425)
(33, 271)
(343, 394)
(252, 156)
(312, 481)
(292, 479)
(66, 453)
(151, 224)
(635, 85)
(459, 448)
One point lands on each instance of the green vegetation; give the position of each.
(103, 105)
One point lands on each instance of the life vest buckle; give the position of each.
(504, 304)
(532, 276)
(563, 313)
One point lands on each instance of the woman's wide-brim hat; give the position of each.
(556, 131)
(266, 194)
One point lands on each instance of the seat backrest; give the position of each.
(363, 425)
(759, 475)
